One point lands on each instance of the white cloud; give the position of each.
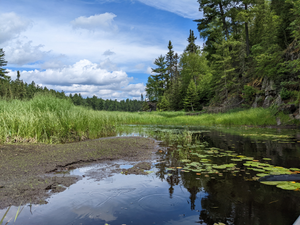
(86, 78)
(101, 21)
(21, 53)
(185, 8)
(149, 70)
(140, 66)
(11, 26)
(108, 65)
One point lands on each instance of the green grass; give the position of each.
(51, 120)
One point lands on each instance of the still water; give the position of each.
(172, 193)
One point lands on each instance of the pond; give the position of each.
(198, 176)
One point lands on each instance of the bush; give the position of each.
(249, 93)
(285, 93)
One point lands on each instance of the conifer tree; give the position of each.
(192, 47)
(3, 63)
(191, 98)
(157, 83)
(170, 64)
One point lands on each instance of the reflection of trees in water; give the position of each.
(283, 154)
(230, 199)
(234, 201)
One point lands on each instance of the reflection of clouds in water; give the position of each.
(185, 220)
(101, 205)
(98, 206)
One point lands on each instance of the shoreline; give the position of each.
(28, 170)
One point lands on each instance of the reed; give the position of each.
(48, 119)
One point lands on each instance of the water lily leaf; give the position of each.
(267, 159)
(185, 160)
(286, 187)
(236, 160)
(262, 174)
(294, 169)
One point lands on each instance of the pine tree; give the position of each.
(191, 98)
(192, 47)
(169, 64)
(157, 83)
(3, 63)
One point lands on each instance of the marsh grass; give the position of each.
(48, 119)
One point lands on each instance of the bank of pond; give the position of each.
(196, 174)
(48, 119)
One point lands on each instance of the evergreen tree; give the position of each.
(157, 83)
(191, 98)
(170, 64)
(163, 104)
(3, 63)
(192, 47)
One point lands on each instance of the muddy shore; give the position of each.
(28, 171)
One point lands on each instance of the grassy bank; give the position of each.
(52, 120)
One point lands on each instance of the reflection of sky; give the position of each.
(119, 199)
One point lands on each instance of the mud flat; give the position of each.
(30, 173)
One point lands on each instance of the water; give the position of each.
(177, 197)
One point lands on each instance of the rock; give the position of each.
(257, 102)
(278, 101)
(278, 121)
(269, 87)
(267, 101)
(297, 117)
(291, 116)
(288, 109)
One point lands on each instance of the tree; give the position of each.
(192, 47)
(191, 97)
(3, 63)
(213, 9)
(170, 64)
(156, 84)
(163, 104)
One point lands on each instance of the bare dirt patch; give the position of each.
(24, 167)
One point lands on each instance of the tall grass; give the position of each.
(48, 119)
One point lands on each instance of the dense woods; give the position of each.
(17, 89)
(247, 43)
(250, 57)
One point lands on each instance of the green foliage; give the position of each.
(163, 104)
(145, 106)
(285, 93)
(249, 93)
(192, 47)
(2, 63)
(191, 98)
(157, 83)
(293, 85)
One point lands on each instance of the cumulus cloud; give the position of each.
(185, 8)
(97, 22)
(21, 53)
(11, 26)
(86, 78)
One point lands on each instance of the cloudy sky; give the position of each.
(93, 47)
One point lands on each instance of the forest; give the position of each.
(18, 89)
(246, 43)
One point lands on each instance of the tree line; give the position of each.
(245, 42)
(18, 89)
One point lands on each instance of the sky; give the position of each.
(93, 47)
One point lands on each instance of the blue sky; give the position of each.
(93, 47)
